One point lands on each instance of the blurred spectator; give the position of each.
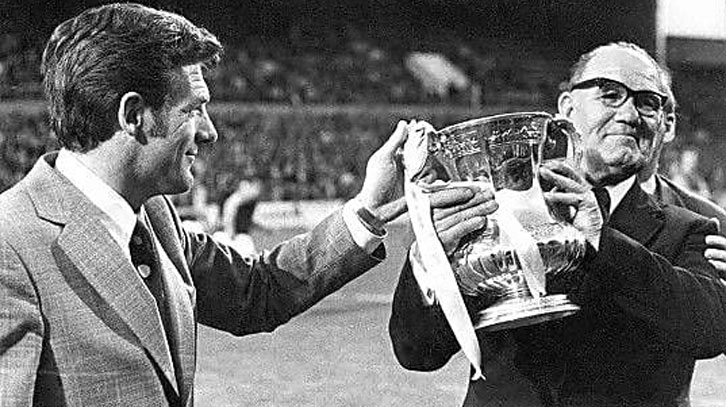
(238, 209)
(237, 216)
(343, 66)
(684, 172)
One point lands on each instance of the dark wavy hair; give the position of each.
(93, 59)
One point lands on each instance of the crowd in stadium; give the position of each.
(324, 158)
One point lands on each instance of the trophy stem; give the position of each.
(518, 308)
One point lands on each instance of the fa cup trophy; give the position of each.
(524, 241)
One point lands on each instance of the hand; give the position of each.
(459, 211)
(716, 252)
(382, 191)
(571, 190)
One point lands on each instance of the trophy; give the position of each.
(524, 240)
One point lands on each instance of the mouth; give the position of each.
(191, 156)
(624, 133)
(631, 136)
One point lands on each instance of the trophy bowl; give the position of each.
(503, 153)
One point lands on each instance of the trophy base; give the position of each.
(523, 311)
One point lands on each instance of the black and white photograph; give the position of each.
(302, 203)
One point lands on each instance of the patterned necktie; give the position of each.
(146, 262)
(145, 258)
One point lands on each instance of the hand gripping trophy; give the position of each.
(524, 241)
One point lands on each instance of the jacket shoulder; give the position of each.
(697, 203)
(16, 207)
(677, 217)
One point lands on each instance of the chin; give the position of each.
(181, 186)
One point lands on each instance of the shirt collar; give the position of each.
(121, 219)
(649, 185)
(617, 192)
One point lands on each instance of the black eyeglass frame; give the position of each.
(636, 94)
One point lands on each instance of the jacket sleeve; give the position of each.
(677, 292)
(244, 295)
(421, 337)
(21, 331)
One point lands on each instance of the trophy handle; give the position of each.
(561, 142)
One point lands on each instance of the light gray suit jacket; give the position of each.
(78, 327)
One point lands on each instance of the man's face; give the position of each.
(617, 139)
(178, 130)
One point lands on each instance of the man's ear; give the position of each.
(564, 104)
(670, 127)
(131, 115)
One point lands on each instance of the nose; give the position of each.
(206, 133)
(627, 111)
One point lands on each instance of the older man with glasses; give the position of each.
(651, 303)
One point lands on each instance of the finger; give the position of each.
(479, 211)
(564, 198)
(450, 238)
(714, 254)
(421, 126)
(718, 265)
(482, 197)
(392, 210)
(565, 169)
(396, 140)
(562, 182)
(448, 197)
(716, 241)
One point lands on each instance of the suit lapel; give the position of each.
(182, 332)
(638, 215)
(666, 194)
(99, 260)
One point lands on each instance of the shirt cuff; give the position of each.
(362, 234)
(422, 278)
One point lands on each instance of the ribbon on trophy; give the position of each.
(433, 258)
(432, 254)
(514, 235)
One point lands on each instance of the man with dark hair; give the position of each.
(651, 303)
(100, 285)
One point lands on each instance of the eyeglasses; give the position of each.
(614, 94)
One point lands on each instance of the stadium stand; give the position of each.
(302, 111)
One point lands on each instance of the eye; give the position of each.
(611, 93)
(194, 111)
(649, 101)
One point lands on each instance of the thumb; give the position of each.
(396, 140)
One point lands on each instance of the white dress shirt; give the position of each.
(617, 192)
(649, 185)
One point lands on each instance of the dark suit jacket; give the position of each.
(78, 326)
(668, 192)
(651, 305)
